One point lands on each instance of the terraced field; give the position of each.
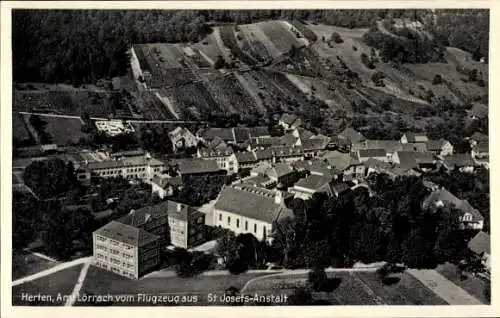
(261, 45)
(193, 100)
(280, 35)
(229, 39)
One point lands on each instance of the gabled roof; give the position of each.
(415, 146)
(353, 135)
(304, 133)
(390, 146)
(288, 139)
(369, 153)
(265, 154)
(279, 170)
(196, 165)
(377, 164)
(435, 145)
(444, 196)
(313, 182)
(338, 160)
(478, 110)
(482, 146)
(261, 167)
(180, 211)
(258, 181)
(225, 134)
(478, 136)
(252, 202)
(288, 118)
(127, 234)
(286, 151)
(246, 157)
(416, 137)
(459, 160)
(314, 144)
(412, 159)
(164, 181)
(480, 243)
(143, 215)
(340, 187)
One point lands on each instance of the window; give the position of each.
(467, 217)
(255, 228)
(220, 216)
(246, 225)
(264, 230)
(200, 220)
(228, 220)
(238, 223)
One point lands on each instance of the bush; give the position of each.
(378, 79)
(354, 48)
(335, 37)
(438, 79)
(317, 279)
(367, 61)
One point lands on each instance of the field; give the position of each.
(262, 47)
(229, 39)
(280, 35)
(473, 285)
(64, 131)
(25, 264)
(304, 30)
(192, 100)
(359, 288)
(20, 131)
(151, 107)
(61, 282)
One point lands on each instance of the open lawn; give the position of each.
(101, 282)
(472, 284)
(353, 288)
(280, 35)
(61, 282)
(64, 131)
(25, 264)
(259, 40)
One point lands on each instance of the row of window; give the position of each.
(246, 224)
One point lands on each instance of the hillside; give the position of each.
(330, 76)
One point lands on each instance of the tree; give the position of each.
(417, 250)
(50, 178)
(227, 247)
(378, 78)
(182, 260)
(335, 37)
(300, 296)
(219, 63)
(317, 278)
(438, 79)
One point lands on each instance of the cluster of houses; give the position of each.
(271, 171)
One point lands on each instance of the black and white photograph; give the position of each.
(251, 157)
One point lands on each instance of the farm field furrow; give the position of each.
(251, 89)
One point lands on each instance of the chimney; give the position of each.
(278, 198)
(131, 211)
(179, 207)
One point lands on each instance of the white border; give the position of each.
(316, 311)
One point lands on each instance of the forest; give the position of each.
(69, 46)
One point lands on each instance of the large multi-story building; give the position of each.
(187, 225)
(125, 250)
(140, 167)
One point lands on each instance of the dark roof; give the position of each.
(241, 134)
(286, 151)
(246, 157)
(390, 146)
(412, 159)
(164, 181)
(196, 165)
(225, 134)
(416, 137)
(269, 141)
(353, 135)
(340, 187)
(415, 146)
(480, 243)
(459, 160)
(288, 118)
(265, 154)
(482, 146)
(462, 205)
(143, 215)
(435, 145)
(125, 233)
(252, 202)
(288, 139)
(313, 182)
(478, 110)
(180, 211)
(314, 144)
(129, 153)
(478, 136)
(125, 162)
(217, 148)
(304, 133)
(279, 170)
(377, 164)
(364, 153)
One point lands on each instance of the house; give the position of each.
(477, 137)
(287, 154)
(313, 146)
(114, 127)
(480, 246)
(440, 147)
(250, 210)
(282, 174)
(196, 166)
(415, 146)
(246, 159)
(289, 122)
(164, 185)
(182, 138)
(355, 171)
(143, 167)
(260, 181)
(373, 165)
(125, 250)
(339, 188)
(390, 146)
(302, 133)
(363, 155)
(352, 135)
(260, 168)
(470, 217)
(337, 160)
(317, 167)
(217, 150)
(339, 143)
(306, 187)
(460, 161)
(480, 151)
(414, 160)
(411, 137)
(127, 154)
(187, 225)
(478, 111)
(265, 155)
(244, 134)
(152, 219)
(208, 134)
